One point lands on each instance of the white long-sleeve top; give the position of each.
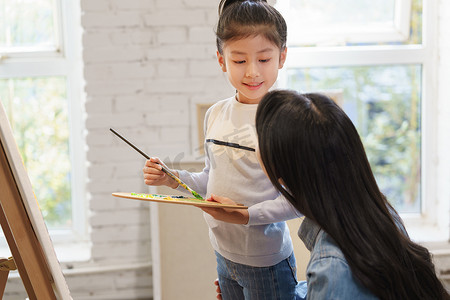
(232, 170)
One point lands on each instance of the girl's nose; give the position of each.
(252, 70)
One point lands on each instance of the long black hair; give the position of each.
(314, 156)
(244, 18)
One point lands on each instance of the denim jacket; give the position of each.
(328, 274)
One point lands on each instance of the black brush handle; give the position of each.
(131, 144)
(164, 169)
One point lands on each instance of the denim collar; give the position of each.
(308, 232)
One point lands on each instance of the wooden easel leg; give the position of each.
(3, 279)
(6, 265)
(25, 248)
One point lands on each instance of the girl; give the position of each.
(313, 155)
(253, 247)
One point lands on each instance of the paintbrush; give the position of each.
(164, 169)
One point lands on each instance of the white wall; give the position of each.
(146, 64)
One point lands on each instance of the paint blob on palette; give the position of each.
(166, 197)
(174, 199)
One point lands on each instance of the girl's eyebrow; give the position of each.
(260, 51)
(266, 50)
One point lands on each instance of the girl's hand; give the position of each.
(219, 292)
(153, 174)
(230, 215)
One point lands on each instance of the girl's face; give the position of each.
(252, 66)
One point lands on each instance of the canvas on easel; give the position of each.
(24, 227)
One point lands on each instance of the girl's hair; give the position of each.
(244, 18)
(313, 155)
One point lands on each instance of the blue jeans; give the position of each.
(239, 281)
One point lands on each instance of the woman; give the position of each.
(313, 155)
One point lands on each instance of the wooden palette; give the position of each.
(176, 200)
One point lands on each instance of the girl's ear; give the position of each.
(221, 61)
(282, 58)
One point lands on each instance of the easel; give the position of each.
(21, 238)
(24, 228)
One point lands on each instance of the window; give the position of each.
(379, 56)
(347, 22)
(39, 88)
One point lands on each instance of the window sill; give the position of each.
(66, 253)
(74, 258)
(428, 234)
(438, 249)
(73, 252)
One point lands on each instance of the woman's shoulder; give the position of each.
(329, 273)
(318, 242)
(326, 247)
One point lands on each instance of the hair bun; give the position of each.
(226, 3)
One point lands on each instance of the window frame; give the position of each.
(432, 223)
(65, 61)
(39, 52)
(399, 31)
